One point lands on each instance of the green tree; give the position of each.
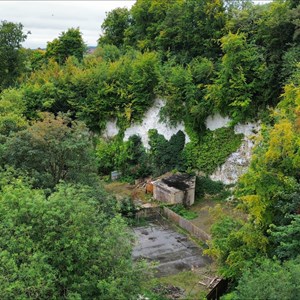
(234, 246)
(290, 63)
(63, 247)
(132, 159)
(184, 29)
(128, 157)
(106, 152)
(269, 194)
(287, 238)
(202, 24)
(270, 280)
(11, 59)
(165, 155)
(274, 172)
(123, 89)
(69, 43)
(108, 52)
(239, 83)
(12, 110)
(147, 17)
(270, 27)
(184, 89)
(179, 91)
(52, 149)
(53, 86)
(114, 27)
(35, 58)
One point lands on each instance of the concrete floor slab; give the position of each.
(173, 251)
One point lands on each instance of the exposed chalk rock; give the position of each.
(238, 162)
(235, 165)
(216, 121)
(150, 121)
(111, 129)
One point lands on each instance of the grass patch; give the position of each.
(187, 280)
(185, 213)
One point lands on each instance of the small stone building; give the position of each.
(175, 189)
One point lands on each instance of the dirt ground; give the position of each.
(123, 189)
(206, 209)
(180, 261)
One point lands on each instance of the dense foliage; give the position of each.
(60, 235)
(212, 150)
(11, 58)
(69, 43)
(51, 150)
(269, 194)
(96, 90)
(270, 280)
(129, 157)
(63, 247)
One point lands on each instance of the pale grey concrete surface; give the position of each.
(171, 250)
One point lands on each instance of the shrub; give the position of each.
(185, 213)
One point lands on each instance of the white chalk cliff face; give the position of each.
(150, 121)
(236, 164)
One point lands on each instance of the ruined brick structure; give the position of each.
(175, 189)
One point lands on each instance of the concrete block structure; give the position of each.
(175, 189)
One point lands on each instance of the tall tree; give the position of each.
(52, 149)
(11, 112)
(11, 38)
(238, 89)
(270, 280)
(63, 247)
(69, 43)
(114, 27)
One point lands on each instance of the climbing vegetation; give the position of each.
(211, 151)
(202, 57)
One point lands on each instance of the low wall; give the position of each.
(150, 213)
(185, 224)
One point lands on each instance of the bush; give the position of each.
(204, 185)
(128, 208)
(185, 213)
(166, 155)
(129, 157)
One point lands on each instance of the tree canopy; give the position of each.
(52, 149)
(69, 43)
(63, 247)
(11, 59)
(61, 237)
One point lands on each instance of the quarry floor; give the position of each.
(207, 209)
(179, 259)
(173, 251)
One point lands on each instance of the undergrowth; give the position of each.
(185, 213)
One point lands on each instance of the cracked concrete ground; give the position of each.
(173, 251)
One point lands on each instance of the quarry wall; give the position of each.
(235, 165)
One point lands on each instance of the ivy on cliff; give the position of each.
(212, 150)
